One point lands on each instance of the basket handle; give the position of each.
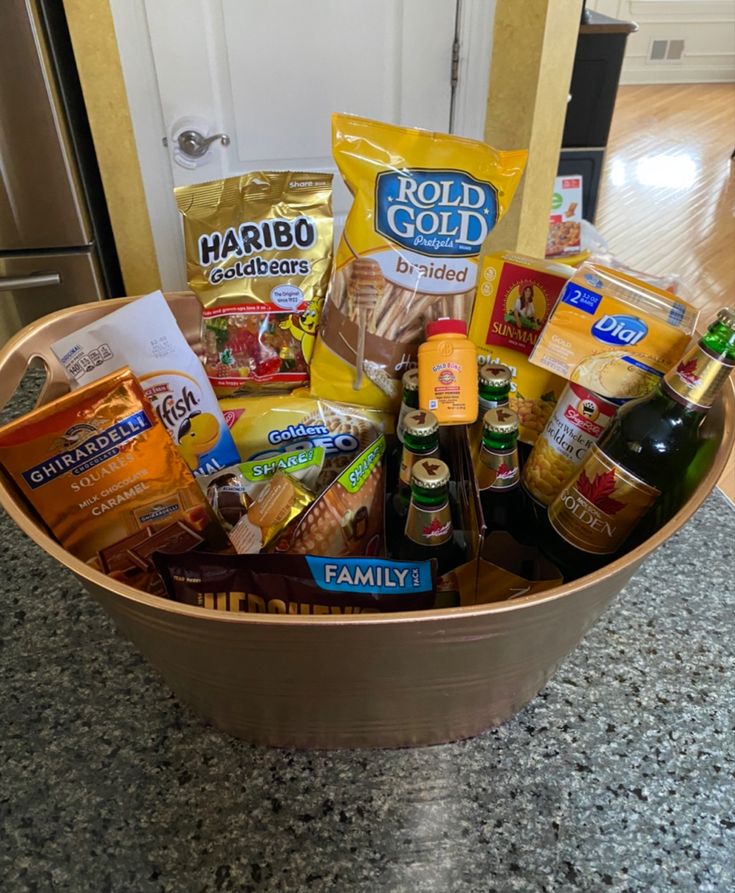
(35, 340)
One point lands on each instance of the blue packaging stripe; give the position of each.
(582, 298)
(634, 362)
(376, 575)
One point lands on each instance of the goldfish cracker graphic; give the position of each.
(197, 436)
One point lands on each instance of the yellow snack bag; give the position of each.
(423, 205)
(613, 333)
(515, 295)
(271, 425)
(258, 255)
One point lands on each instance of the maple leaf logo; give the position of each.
(503, 415)
(504, 471)
(419, 417)
(431, 468)
(687, 371)
(598, 491)
(436, 528)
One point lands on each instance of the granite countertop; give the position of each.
(619, 776)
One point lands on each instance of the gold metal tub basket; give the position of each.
(354, 681)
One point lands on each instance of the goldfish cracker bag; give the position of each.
(258, 256)
(145, 336)
(423, 205)
(100, 469)
(515, 295)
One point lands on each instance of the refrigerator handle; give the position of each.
(34, 280)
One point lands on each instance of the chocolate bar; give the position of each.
(171, 539)
(116, 556)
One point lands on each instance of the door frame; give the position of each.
(474, 30)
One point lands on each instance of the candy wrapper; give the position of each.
(100, 469)
(271, 492)
(145, 336)
(258, 256)
(423, 205)
(298, 584)
(347, 519)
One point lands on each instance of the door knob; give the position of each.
(195, 144)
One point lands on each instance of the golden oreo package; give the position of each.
(515, 296)
(272, 425)
(258, 256)
(102, 472)
(423, 205)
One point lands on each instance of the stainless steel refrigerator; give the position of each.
(56, 245)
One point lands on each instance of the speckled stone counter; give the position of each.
(619, 776)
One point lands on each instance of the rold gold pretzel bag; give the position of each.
(258, 256)
(423, 205)
(101, 470)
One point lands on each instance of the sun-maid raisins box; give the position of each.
(515, 295)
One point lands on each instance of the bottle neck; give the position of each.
(429, 499)
(492, 440)
(425, 444)
(410, 399)
(495, 395)
(700, 374)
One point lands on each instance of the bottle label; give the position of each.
(695, 381)
(407, 460)
(497, 469)
(485, 403)
(596, 510)
(429, 527)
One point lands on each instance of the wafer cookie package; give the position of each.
(423, 205)
(258, 256)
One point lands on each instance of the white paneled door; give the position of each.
(242, 85)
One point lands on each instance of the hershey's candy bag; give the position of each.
(297, 584)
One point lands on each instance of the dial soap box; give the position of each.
(614, 334)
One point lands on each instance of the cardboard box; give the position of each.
(565, 220)
(614, 334)
(515, 294)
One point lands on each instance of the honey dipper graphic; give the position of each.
(366, 289)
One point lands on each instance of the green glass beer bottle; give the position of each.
(429, 531)
(493, 386)
(644, 454)
(410, 401)
(498, 476)
(420, 440)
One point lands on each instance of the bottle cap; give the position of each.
(727, 316)
(410, 380)
(445, 326)
(420, 423)
(500, 420)
(430, 474)
(495, 374)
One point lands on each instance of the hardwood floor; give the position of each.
(667, 195)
